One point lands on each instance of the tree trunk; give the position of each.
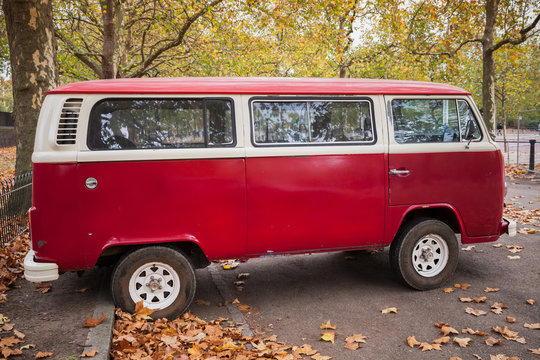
(108, 70)
(488, 66)
(34, 70)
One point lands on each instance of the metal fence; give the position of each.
(15, 200)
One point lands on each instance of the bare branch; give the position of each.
(449, 53)
(177, 41)
(524, 35)
(85, 58)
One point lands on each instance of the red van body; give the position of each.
(239, 184)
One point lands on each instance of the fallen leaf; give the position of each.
(91, 353)
(505, 332)
(446, 330)
(328, 336)
(535, 351)
(235, 301)
(359, 338)
(320, 357)
(27, 347)
(440, 325)
(514, 257)
(468, 248)
(18, 334)
(412, 342)
(351, 346)
(448, 290)
(535, 326)
(530, 301)
(462, 286)
(244, 307)
(9, 341)
(510, 319)
(497, 311)
(462, 342)
(466, 299)
(475, 312)
(390, 310)
(488, 289)
(497, 245)
(306, 349)
(81, 290)
(490, 341)
(93, 322)
(328, 326)
(41, 355)
(473, 332)
(442, 340)
(481, 299)
(7, 352)
(142, 311)
(428, 347)
(43, 288)
(202, 302)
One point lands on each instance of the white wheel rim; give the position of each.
(156, 284)
(430, 255)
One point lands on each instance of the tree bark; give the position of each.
(34, 70)
(488, 66)
(108, 70)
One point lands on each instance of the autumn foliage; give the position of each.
(135, 336)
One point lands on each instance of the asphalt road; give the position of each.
(291, 296)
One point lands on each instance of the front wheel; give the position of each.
(425, 254)
(160, 276)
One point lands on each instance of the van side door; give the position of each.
(315, 175)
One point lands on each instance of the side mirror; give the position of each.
(470, 130)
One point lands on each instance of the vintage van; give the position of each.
(161, 176)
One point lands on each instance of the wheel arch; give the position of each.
(111, 254)
(444, 213)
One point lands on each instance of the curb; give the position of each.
(236, 315)
(99, 337)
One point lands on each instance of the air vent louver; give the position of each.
(67, 126)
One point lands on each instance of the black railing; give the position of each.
(15, 200)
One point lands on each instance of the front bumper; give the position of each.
(508, 227)
(39, 272)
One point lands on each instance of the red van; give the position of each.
(161, 176)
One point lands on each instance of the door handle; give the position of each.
(399, 172)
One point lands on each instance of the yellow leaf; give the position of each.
(328, 336)
(448, 290)
(389, 310)
(462, 342)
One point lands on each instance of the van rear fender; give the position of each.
(113, 250)
(400, 216)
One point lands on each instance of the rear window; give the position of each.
(312, 122)
(150, 123)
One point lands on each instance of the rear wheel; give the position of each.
(425, 254)
(160, 276)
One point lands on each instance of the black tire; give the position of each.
(424, 254)
(166, 282)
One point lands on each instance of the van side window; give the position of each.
(425, 121)
(466, 114)
(297, 122)
(149, 123)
